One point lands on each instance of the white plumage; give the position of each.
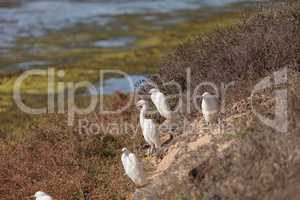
(149, 128)
(210, 107)
(42, 196)
(133, 168)
(160, 102)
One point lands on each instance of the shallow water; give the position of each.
(115, 42)
(113, 85)
(35, 18)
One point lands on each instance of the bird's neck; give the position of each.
(142, 113)
(144, 110)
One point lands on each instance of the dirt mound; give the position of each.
(242, 161)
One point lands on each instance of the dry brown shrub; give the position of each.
(258, 46)
(263, 164)
(55, 158)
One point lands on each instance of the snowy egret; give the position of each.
(210, 107)
(42, 196)
(133, 167)
(160, 102)
(149, 128)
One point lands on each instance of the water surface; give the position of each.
(115, 42)
(120, 84)
(35, 18)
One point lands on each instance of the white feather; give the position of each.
(133, 168)
(210, 107)
(150, 133)
(42, 196)
(160, 102)
(149, 128)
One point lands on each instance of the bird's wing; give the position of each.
(160, 102)
(163, 101)
(124, 160)
(152, 132)
(46, 198)
(136, 167)
(211, 103)
(154, 99)
(214, 100)
(146, 129)
(133, 159)
(155, 138)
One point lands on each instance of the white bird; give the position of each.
(133, 167)
(42, 196)
(149, 128)
(210, 107)
(160, 102)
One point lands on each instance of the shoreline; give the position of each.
(141, 59)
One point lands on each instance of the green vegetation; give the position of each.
(142, 57)
(83, 63)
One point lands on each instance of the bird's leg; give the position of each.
(159, 152)
(155, 149)
(209, 129)
(221, 124)
(149, 151)
(152, 149)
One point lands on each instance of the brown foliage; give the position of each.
(257, 46)
(263, 164)
(58, 160)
